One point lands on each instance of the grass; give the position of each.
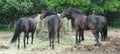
(4, 28)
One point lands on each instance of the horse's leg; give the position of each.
(18, 41)
(32, 37)
(96, 34)
(102, 35)
(53, 42)
(76, 35)
(82, 35)
(53, 38)
(25, 35)
(49, 35)
(58, 36)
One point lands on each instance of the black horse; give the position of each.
(54, 24)
(82, 22)
(26, 25)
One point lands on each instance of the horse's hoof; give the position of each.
(24, 47)
(32, 43)
(97, 44)
(82, 39)
(52, 47)
(102, 39)
(18, 48)
(77, 44)
(79, 41)
(27, 43)
(59, 42)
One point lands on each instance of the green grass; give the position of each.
(4, 28)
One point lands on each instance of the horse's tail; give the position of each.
(105, 28)
(17, 31)
(97, 24)
(52, 24)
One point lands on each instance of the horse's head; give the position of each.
(44, 13)
(66, 12)
(47, 12)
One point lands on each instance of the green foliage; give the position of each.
(3, 28)
(59, 5)
(100, 6)
(21, 6)
(85, 5)
(11, 10)
(112, 5)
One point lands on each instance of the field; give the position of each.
(67, 45)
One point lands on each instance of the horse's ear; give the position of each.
(65, 8)
(70, 7)
(45, 8)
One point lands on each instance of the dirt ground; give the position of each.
(67, 45)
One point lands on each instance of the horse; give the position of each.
(26, 25)
(53, 23)
(83, 22)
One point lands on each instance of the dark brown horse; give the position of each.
(26, 25)
(53, 23)
(82, 22)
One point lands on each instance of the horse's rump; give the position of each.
(57, 20)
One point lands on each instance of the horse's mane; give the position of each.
(52, 12)
(33, 16)
(77, 11)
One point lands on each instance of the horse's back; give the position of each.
(96, 21)
(32, 25)
(91, 21)
(102, 20)
(57, 20)
(55, 17)
(24, 25)
(28, 24)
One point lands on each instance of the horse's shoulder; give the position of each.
(21, 18)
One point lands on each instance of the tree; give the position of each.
(59, 5)
(13, 9)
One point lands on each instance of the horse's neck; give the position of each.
(74, 15)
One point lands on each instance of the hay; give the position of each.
(42, 31)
